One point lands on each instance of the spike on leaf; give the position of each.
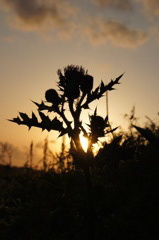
(24, 116)
(37, 104)
(43, 116)
(29, 127)
(95, 111)
(102, 86)
(16, 120)
(112, 130)
(106, 118)
(85, 106)
(34, 118)
(63, 132)
(118, 78)
(148, 134)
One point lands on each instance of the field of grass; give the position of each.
(37, 205)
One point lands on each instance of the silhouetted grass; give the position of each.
(45, 205)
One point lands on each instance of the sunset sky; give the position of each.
(107, 37)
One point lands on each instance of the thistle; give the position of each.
(75, 91)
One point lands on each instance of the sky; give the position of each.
(107, 37)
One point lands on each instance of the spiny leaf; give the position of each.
(106, 118)
(118, 78)
(24, 116)
(86, 106)
(95, 111)
(112, 130)
(34, 118)
(96, 91)
(57, 124)
(37, 104)
(147, 133)
(42, 106)
(63, 132)
(43, 116)
(16, 120)
(100, 90)
(99, 96)
(102, 86)
(45, 124)
(29, 127)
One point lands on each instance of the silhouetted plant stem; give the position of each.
(80, 102)
(65, 120)
(31, 155)
(90, 213)
(45, 154)
(71, 107)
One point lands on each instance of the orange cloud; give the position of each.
(39, 15)
(101, 31)
(151, 6)
(117, 4)
(63, 19)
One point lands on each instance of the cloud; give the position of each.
(101, 31)
(31, 15)
(151, 6)
(8, 39)
(116, 4)
(61, 18)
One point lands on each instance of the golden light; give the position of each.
(84, 142)
(96, 148)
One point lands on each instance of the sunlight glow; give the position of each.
(96, 148)
(84, 142)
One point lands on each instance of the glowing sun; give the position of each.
(84, 142)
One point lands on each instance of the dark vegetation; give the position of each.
(46, 205)
(113, 195)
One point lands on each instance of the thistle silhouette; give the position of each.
(75, 91)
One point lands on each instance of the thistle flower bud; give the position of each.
(86, 84)
(97, 126)
(72, 92)
(97, 123)
(73, 75)
(52, 96)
